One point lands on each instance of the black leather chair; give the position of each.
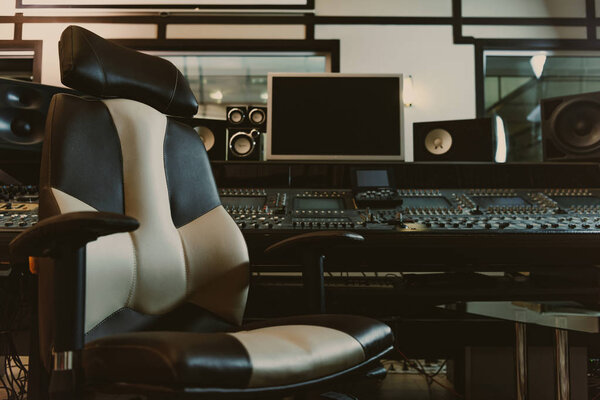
(143, 275)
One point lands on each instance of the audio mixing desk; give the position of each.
(422, 215)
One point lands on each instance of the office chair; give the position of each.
(143, 276)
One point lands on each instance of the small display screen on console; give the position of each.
(425, 202)
(499, 201)
(243, 201)
(576, 201)
(311, 203)
(372, 178)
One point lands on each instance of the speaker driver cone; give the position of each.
(23, 127)
(207, 136)
(257, 116)
(241, 144)
(438, 141)
(236, 116)
(576, 126)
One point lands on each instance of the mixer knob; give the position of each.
(488, 226)
(572, 226)
(529, 226)
(294, 224)
(455, 225)
(585, 226)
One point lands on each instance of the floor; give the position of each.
(399, 384)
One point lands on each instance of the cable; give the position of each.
(430, 377)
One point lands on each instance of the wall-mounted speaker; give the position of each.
(458, 140)
(244, 144)
(571, 127)
(213, 133)
(245, 132)
(23, 110)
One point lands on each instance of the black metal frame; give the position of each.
(308, 4)
(591, 43)
(227, 45)
(33, 45)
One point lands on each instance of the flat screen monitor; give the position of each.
(332, 116)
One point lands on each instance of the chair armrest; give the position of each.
(71, 230)
(319, 241)
(313, 246)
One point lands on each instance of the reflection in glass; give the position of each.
(16, 65)
(513, 92)
(236, 78)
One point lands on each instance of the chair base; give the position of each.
(123, 391)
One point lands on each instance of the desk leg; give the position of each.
(562, 364)
(521, 359)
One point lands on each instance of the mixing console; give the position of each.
(508, 210)
(500, 210)
(18, 207)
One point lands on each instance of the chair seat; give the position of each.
(275, 353)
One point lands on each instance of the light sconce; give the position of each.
(537, 64)
(501, 148)
(216, 95)
(408, 91)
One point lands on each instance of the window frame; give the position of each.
(27, 45)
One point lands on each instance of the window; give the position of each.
(221, 79)
(234, 72)
(516, 81)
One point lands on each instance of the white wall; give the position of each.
(50, 34)
(443, 73)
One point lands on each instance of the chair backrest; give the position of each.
(125, 155)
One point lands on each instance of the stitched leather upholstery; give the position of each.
(164, 303)
(104, 69)
(227, 360)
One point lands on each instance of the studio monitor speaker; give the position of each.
(213, 133)
(458, 140)
(245, 132)
(571, 127)
(23, 110)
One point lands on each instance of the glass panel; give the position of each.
(16, 65)
(512, 91)
(224, 79)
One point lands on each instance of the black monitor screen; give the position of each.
(372, 178)
(339, 115)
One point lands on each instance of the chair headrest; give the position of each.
(102, 68)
